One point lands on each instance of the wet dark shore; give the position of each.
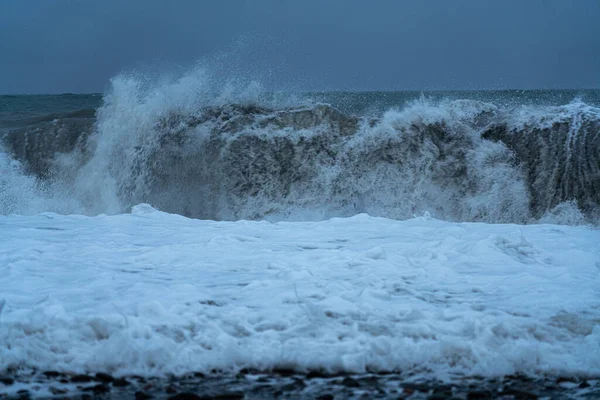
(289, 385)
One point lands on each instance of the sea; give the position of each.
(489, 156)
(188, 238)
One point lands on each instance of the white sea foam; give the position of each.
(153, 293)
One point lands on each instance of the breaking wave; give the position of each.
(205, 150)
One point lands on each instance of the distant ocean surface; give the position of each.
(491, 156)
(24, 109)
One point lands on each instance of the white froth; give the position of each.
(153, 293)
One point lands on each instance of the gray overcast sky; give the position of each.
(55, 46)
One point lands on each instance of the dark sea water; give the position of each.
(18, 110)
(23, 110)
(490, 156)
(368, 102)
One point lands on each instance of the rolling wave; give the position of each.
(234, 156)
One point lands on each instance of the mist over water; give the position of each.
(205, 148)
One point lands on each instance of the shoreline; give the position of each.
(290, 385)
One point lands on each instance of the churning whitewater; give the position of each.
(182, 227)
(151, 293)
(187, 148)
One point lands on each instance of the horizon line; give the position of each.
(337, 91)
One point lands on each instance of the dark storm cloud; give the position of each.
(76, 46)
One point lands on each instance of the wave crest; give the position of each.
(185, 147)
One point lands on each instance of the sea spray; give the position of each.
(213, 150)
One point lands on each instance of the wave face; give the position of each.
(190, 148)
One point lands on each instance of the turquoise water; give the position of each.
(23, 109)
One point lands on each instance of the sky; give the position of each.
(76, 46)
